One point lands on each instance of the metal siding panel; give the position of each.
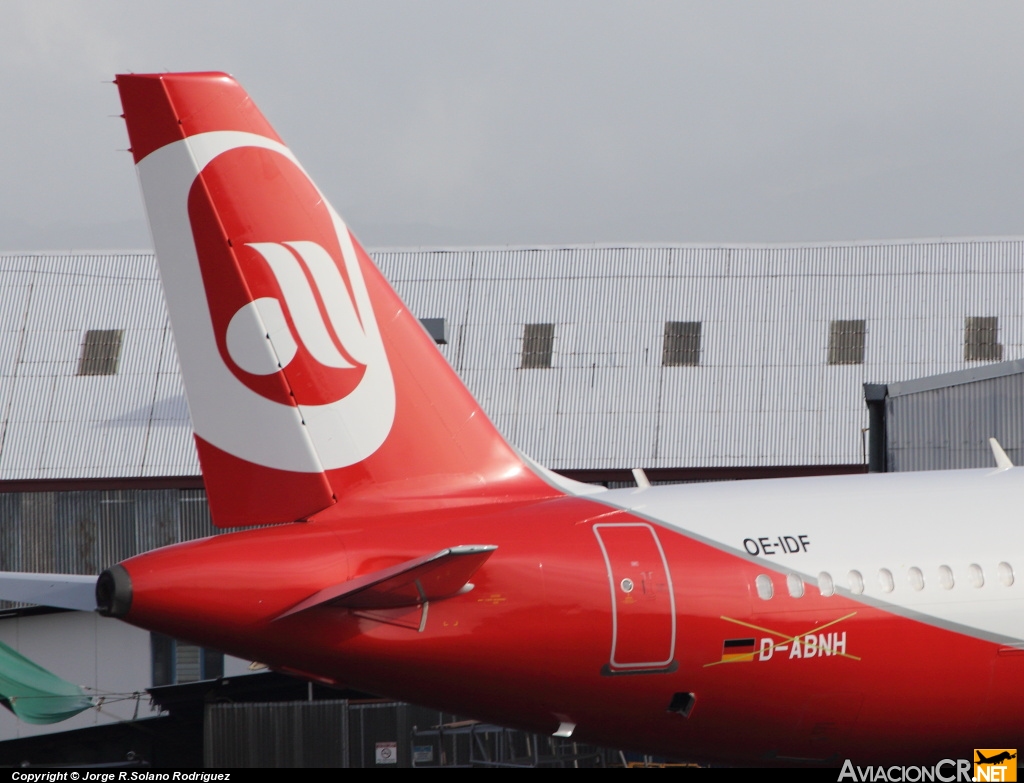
(949, 427)
(195, 515)
(764, 309)
(276, 735)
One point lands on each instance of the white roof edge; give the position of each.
(702, 245)
(957, 378)
(571, 246)
(65, 253)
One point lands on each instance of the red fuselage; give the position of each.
(531, 645)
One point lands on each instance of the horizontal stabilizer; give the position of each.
(63, 591)
(428, 578)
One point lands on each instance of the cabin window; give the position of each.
(825, 584)
(916, 578)
(946, 577)
(1005, 574)
(856, 581)
(764, 587)
(795, 585)
(975, 575)
(885, 580)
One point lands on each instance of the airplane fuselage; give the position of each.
(641, 618)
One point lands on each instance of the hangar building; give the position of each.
(694, 362)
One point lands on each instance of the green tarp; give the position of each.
(34, 694)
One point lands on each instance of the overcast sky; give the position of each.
(458, 123)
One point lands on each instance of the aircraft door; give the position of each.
(643, 603)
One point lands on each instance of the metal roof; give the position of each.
(983, 372)
(763, 393)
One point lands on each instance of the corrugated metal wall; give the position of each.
(948, 427)
(277, 734)
(55, 423)
(763, 393)
(84, 532)
(339, 733)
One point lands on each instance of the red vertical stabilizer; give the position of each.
(308, 380)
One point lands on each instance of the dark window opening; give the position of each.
(846, 342)
(981, 339)
(682, 344)
(162, 651)
(437, 328)
(538, 344)
(101, 352)
(177, 662)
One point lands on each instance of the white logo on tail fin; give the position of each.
(338, 333)
(290, 263)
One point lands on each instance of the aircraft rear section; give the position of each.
(564, 613)
(437, 565)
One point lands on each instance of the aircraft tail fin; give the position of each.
(308, 381)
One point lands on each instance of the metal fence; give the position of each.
(341, 733)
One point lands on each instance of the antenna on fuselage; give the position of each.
(641, 478)
(1002, 461)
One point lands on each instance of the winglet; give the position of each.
(1002, 461)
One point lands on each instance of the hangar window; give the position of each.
(177, 662)
(682, 344)
(846, 342)
(538, 345)
(437, 328)
(981, 339)
(101, 352)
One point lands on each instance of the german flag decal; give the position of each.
(737, 650)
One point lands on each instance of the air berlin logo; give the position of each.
(287, 293)
(290, 311)
(318, 314)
